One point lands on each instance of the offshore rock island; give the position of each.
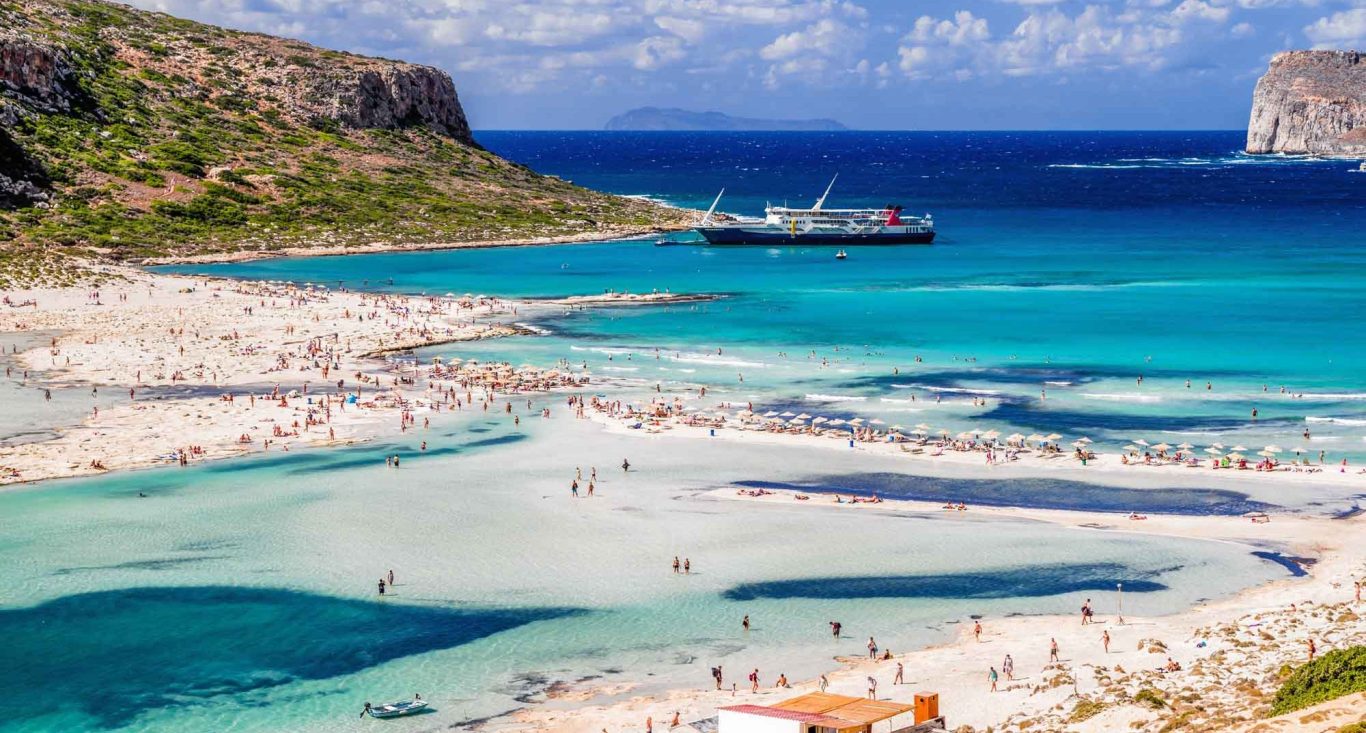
(1310, 102)
(129, 135)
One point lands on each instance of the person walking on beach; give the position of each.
(574, 488)
(1312, 648)
(824, 683)
(835, 626)
(391, 577)
(677, 564)
(977, 631)
(381, 586)
(899, 679)
(1358, 587)
(1008, 667)
(1053, 650)
(625, 466)
(754, 680)
(872, 648)
(872, 687)
(649, 724)
(745, 622)
(992, 677)
(1105, 640)
(687, 563)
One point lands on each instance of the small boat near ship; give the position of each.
(817, 225)
(396, 709)
(841, 255)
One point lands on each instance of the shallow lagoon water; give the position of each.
(1064, 266)
(505, 584)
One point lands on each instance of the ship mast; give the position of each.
(821, 200)
(707, 219)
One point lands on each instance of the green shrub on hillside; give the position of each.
(1337, 673)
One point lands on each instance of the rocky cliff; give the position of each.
(127, 133)
(1310, 102)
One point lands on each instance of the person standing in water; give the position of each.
(745, 622)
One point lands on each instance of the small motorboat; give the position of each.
(840, 255)
(396, 709)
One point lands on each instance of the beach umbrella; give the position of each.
(796, 421)
(1141, 441)
(1034, 438)
(856, 421)
(1273, 449)
(1052, 436)
(876, 421)
(771, 413)
(1185, 446)
(1239, 448)
(965, 435)
(788, 414)
(1267, 453)
(991, 434)
(922, 426)
(1212, 450)
(1220, 446)
(1015, 437)
(837, 421)
(1083, 439)
(819, 420)
(1235, 456)
(804, 416)
(1161, 447)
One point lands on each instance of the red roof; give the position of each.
(769, 712)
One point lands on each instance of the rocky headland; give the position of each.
(1310, 102)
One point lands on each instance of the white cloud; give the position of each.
(1200, 10)
(1345, 29)
(825, 37)
(1243, 30)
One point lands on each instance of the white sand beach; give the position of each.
(274, 367)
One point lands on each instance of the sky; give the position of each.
(871, 64)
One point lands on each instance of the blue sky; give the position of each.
(872, 64)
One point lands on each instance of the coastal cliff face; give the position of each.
(1310, 102)
(131, 134)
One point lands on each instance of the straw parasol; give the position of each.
(1161, 447)
(1214, 451)
(1273, 449)
(991, 434)
(1052, 436)
(1141, 441)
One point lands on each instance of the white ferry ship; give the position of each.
(817, 225)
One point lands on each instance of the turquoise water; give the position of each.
(1069, 265)
(240, 595)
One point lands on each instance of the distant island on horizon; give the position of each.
(675, 119)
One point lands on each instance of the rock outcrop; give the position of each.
(1310, 102)
(388, 97)
(36, 74)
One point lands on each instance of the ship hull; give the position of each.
(736, 236)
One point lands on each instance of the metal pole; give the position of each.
(1119, 588)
